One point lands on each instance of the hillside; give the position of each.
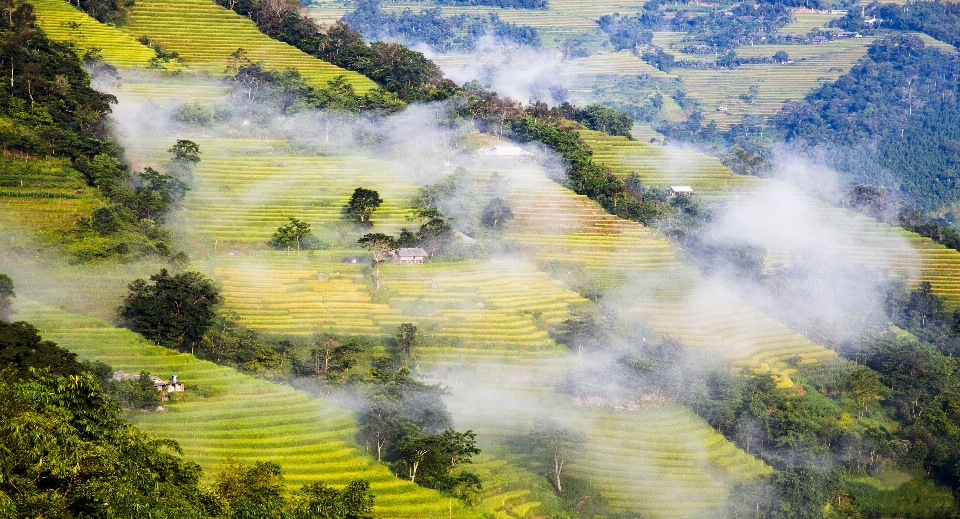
(201, 32)
(709, 363)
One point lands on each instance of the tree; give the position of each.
(496, 213)
(433, 457)
(185, 151)
(21, 347)
(434, 234)
(252, 491)
(331, 357)
(782, 56)
(104, 221)
(158, 193)
(380, 246)
(6, 293)
(294, 234)
(138, 393)
(66, 451)
(174, 311)
(553, 444)
(380, 422)
(318, 501)
(363, 203)
(580, 329)
(406, 337)
(924, 305)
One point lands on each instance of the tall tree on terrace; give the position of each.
(174, 311)
(185, 151)
(581, 329)
(496, 213)
(363, 203)
(553, 444)
(294, 234)
(380, 246)
(406, 337)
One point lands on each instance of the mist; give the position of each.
(813, 274)
(524, 74)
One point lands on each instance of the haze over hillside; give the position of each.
(479, 258)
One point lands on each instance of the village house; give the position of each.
(408, 256)
(721, 108)
(163, 386)
(676, 190)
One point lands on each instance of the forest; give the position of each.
(901, 98)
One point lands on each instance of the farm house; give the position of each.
(676, 190)
(408, 256)
(163, 386)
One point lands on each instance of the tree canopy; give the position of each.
(174, 311)
(295, 234)
(363, 203)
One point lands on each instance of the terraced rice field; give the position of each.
(151, 88)
(491, 317)
(226, 415)
(43, 194)
(205, 34)
(776, 83)
(663, 166)
(622, 63)
(660, 460)
(63, 22)
(854, 235)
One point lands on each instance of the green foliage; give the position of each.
(135, 393)
(496, 213)
(249, 492)
(257, 491)
(396, 405)
(47, 93)
(65, 451)
(104, 221)
(580, 330)
(6, 294)
(433, 458)
(21, 348)
(406, 338)
(175, 311)
(295, 234)
(331, 359)
(363, 203)
(185, 151)
(894, 99)
(319, 501)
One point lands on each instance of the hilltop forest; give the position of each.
(392, 294)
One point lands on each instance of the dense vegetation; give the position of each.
(402, 420)
(901, 99)
(429, 26)
(405, 73)
(937, 19)
(48, 109)
(66, 451)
